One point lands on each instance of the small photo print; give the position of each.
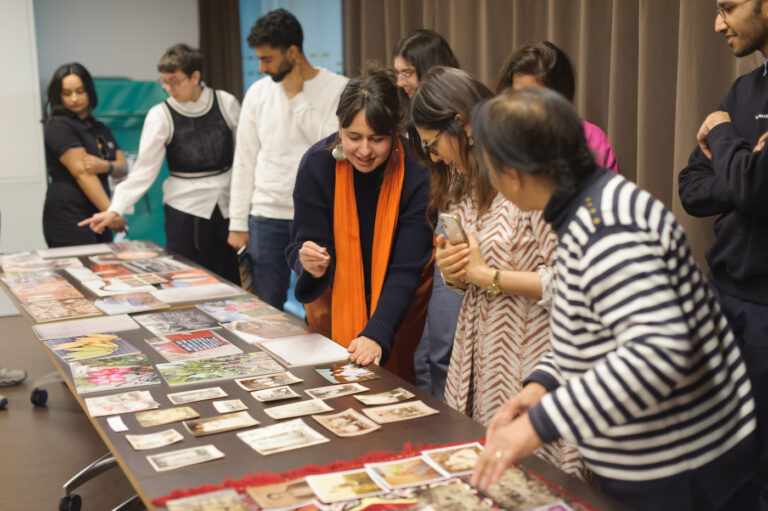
(222, 500)
(191, 396)
(229, 406)
(518, 490)
(453, 496)
(458, 460)
(274, 394)
(152, 418)
(347, 423)
(116, 404)
(299, 409)
(220, 423)
(384, 398)
(184, 457)
(345, 372)
(266, 382)
(192, 346)
(189, 319)
(289, 494)
(353, 484)
(154, 440)
(285, 436)
(332, 391)
(406, 472)
(399, 412)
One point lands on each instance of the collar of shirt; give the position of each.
(197, 106)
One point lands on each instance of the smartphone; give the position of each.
(454, 232)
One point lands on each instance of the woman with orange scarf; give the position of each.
(361, 241)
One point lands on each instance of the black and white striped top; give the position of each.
(644, 372)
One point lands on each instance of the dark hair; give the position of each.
(54, 106)
(181, 57)
(542, 59)
(278, 29)
(443, 94)
(376, 93)
(424, 49)
(535, 131)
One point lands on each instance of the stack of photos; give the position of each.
(333, 391)
(229, 406)
(235, 309)
(184, 457)
(403, 473)
(220, 423)
(286, 495)
(154, 418)
(345, 372)
(186, 278)
(268, 382)
(116, 404)
(191, 396)
(222, 500)
(384, 398)
(114, 373)
(44, 311)
(129, 302)
(285, 436)
(188, 319)
(221, 368)
(309, 407)
(91, 346)
(255, 330)
(274, 394)
(339, 486)
(455, 461)
(399, 412)
(154, 440)
(347, 423)
(192, 346)
(304, 350)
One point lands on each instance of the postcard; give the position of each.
(187, 278)
(255, 330)
(220, 423)
(518, 490)
(385, 398)
(192, 346)
(308, 407)
(191, 396)
(267, 382)
(197, 293)
(458, 460)
(236, 309)
(37, 263)
(116, 404)
(229, 406)
(332, 391)
(399, 412)
(45, 291)
(74, 251)
(134, 280)
(453, 496)
(154, 440)
(152, 418)
(77, 327)
(220, 368)
(184, 457)
(304, 350)
(110, 287)
(129, 302)
(114, 373)
(289, 494)
(222, 500)
(156, 265)
(86, 347)
(404, 472)
(345, 372)
(274, 394)
(188, 319)
(282, 437)
(347, 423)
(338, 486)
(53, 310)
(107, 271)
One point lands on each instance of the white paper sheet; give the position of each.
(197, 293)
(75, 327)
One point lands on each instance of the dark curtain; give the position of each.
(220, 45)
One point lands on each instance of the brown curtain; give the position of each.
(220, 45)
(648, 71)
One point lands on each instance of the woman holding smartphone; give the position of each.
(504, 269)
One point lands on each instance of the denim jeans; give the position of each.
(271, 276)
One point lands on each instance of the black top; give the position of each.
(734, 185)
(200, 144)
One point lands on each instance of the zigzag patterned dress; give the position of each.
(501, 338)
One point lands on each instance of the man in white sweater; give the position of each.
(283, 114)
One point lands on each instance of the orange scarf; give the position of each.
(348, 308)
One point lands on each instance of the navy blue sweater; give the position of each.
(734, 185)
(313, 198)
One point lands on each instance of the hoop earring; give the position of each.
(338, 152)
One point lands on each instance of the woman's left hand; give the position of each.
(364, 351)
(476, 271)
(95, 165)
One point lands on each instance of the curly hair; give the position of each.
(278, 29)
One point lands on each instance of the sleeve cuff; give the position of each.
(543, 426)
(308, 288)
(237, 225)
(543, 378)
(545, 274)
(382, 334)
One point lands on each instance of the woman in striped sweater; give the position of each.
(644, 374)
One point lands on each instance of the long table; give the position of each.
(240, 460)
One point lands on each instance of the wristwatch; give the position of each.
(494, 288)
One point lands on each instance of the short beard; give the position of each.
(282, 72)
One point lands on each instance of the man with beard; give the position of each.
(283, 114)
(727, 176)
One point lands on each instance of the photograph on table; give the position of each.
(113, 285)
(192, 346)
(220, 368)
(154, 440)
(184, 457)
(187, 278)
(404, 472)
(86, 347)
(188, 319)
(44, 311)
(236, 309)
(128, 251)
(338, 486)
(191, 396)
(457, 460)
(347, 423)
(156, 265)
(133, 280)
(399, 412)
(222, 500)
(345, 372)
(33, 262)
(274, 394)
(285, 436)
(197, 293)
(384, 398)
(108, 271)
(128, 303)
(153, 418)
(308, 407)
(220, 423)
(305, 350)
(451, 496)
(74, 251)
(114, 373)
(332, 391)
(255, 330)
(229, 406)
(117, 404)
(267, 382)
(20, 278)
(520, 490)
(285, 495)
(40, 291)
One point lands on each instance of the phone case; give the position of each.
(454, 232)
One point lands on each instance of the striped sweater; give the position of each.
(644, 373)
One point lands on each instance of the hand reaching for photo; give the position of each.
(364, 351)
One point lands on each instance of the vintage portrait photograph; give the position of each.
(345, 372)
(350, 422)
(384, 398)
(399, 412)
(124, 402)
(220, 423)
(165, 416)
(191, 396)
(286, 436)
(308, 407)
(229, 406)
(266, 382)
(406, 472)
(518, 490)
(282, 495)
(332, 391)
(455, 461)
(274, 394)
(184, 457)
(154, 440)
(352, 484)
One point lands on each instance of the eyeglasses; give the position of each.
(171, 84)
(727, 10)
(406, 73)
(429, 148)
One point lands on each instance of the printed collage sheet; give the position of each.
(236, 337)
